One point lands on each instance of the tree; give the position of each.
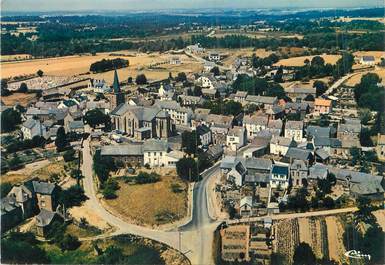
(324, 186)
(328, 202)
(61, 139)
(103, 166)
(141, 79)
(129, 80)
(69, 242)
(365, 115)
(22, 249)
(23, 88)
(181, 77)
(190, 142)
(303, 255)
(187, 169)
(320, 87)
(10, 118)
(69, 155)
(317, 61)
(73, 196)
(15, 162)
(309, 98)
(38, 141)
(4, 88)
(215, 71)
(40, 73)
(5, 188)
(112, 255)
(109, 189)
(96, 117)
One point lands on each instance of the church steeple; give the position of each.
(116, 85)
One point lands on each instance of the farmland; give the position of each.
(300, 61)
(323, 234)
(156, 66)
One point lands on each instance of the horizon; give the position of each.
(26, 6)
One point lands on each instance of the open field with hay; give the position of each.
(300, 61)
(155, 65)
(153, 203)
(355, 79)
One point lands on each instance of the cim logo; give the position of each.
(355, 254)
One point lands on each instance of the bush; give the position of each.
(73, 196)
(107, 65)
(69, 242)
(69, 155)
(141, 79)
(176, 188)
(5, 188)
(109, 189)
(144, 178)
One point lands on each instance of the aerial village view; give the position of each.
(192, 132)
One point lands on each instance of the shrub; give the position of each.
(69, 155)
(69, 242)
(144, 178)
(176, 188)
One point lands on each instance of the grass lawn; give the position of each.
(82, 232)
(154, 203)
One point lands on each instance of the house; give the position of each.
(318, 171)
(300, 90)
(240, 96)
(179, 115)
(318, 131)
(380, 148)
(236, 138)
(76, 127)
(246, 206)
(263, 101)
(279, 177)
(275, 127)
(235, 243)
(175, 60)
(294, 130)
(154, 153)
(128, 154)
(99, 86)
(31, 128)
(300, 154)
(254, 124)
(166, 92)
(258, 171)
(348, 130)
(298, 173)
(46, 194)
(204, 134)
(210, 93)
(280, 145)
(207, 81)
(214, 56)
(196, 49)
(208, 66)
(11, 213)
(368, 60)
(299, 108)
(190, 101)
(23, 197)
(44, 221)
(322, 106)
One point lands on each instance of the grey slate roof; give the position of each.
(44, 218)
(73, 125)
(122, 150)
(43, 187)
(318, 131)
(297, 153)
(155, 145)
(294, 125)
(261, 99)
(30, 123)
(255, 119)
(318, 171)
(8, 204)
(349, 128)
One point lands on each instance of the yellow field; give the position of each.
(376, 54)
(355, 79)
(349, 19)
(21, 98)
(300, 61)
(76, 65)
(233, 54)
(15, 57)
(142, 203)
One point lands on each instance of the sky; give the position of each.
(120, 5)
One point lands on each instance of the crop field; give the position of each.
(151, 204)
(300, 61)
(355, 79)
(323, 234)
(156, 66)
(376, 54)
(20, 98)
(15, 57)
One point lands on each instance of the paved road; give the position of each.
(193, 239)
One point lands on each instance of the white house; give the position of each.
(294, 129)
(246, 206)
(214, 56)
(254, 124)
(98, 86)
(279, 177)
(207, 82)
(236, 138)
(280, 145)
(368, 60)
(204, 134)
(179, 115)
(155, 153)
(31, 128)
(175, 60)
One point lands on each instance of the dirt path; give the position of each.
(334, 231)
